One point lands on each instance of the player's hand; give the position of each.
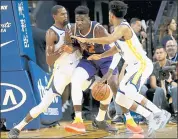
(94, 57)
(83, 40)
(67, 49)
(106, 77)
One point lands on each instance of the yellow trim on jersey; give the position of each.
(140, 58)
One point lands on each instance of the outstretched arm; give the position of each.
(108, 53)
(117, 34)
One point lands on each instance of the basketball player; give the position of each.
(86, 69)
(59, 51)
(139, 67)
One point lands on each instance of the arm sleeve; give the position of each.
(115, 61)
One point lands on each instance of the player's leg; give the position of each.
(135, 83)
(99, 121)
(132, 82)
(84, 70)
(130, 123)
(57, 87)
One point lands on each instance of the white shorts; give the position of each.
(137, 74)
(61, 77)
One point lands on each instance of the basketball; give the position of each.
(100, 91)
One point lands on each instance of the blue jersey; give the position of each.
(95, 48)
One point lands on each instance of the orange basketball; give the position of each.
(100, 91)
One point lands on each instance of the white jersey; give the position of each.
(65, 58)
(131, 50)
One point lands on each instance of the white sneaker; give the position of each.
(165, 118)
(158, 121)
(154, 122)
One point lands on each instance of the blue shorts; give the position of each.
(92, 67)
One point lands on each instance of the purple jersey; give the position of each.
(95, 48)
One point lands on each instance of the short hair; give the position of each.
(134, 20)
(160, 47)
(55, 9)
(118, 8)
(82, 10)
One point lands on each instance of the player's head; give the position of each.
(82, 18)
(136, 24)
(160, 53)
(59, 14)
(117, 9)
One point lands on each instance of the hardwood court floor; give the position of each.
(170, 131)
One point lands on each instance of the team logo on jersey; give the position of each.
(12, 97)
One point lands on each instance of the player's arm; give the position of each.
(100, 31)
(69, 40)
(108, 53)
(51, 55)
(115, 61)
(117, 34)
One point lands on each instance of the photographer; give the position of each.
(163, 88)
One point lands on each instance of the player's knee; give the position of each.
(79, 76)
(59, 85)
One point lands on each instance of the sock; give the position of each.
(127, 116)
(78, 114)
(152, 107)
(101, 115)
(143, 111)
(129, 119)
(21, 125)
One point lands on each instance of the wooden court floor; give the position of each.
(170, 131)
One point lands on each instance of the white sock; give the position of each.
(21, 125)
(152, 107)
(101, 115)
(78, 114)
(127, 115)
(143, 111)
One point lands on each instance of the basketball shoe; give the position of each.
(133, 127)
(13, 133)
(77, 126)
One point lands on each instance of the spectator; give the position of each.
(167, 30)
(163, 91)
(39, 44)
(171, 49)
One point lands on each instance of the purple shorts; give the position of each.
(92, 67)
